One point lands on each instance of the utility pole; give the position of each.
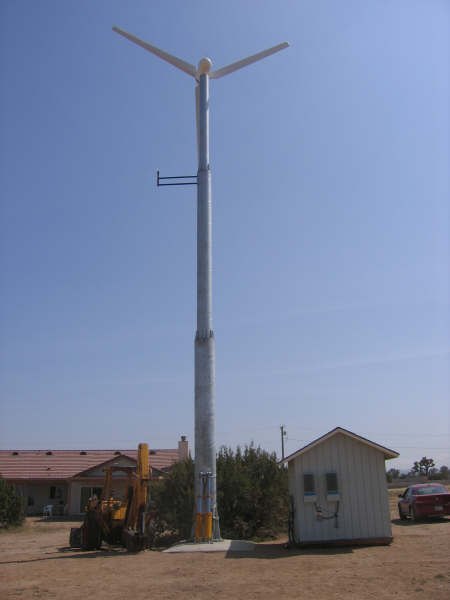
(283, 433)
(206, 523)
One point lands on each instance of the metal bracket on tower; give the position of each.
(179, 177)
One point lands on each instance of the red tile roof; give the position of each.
(64, 464)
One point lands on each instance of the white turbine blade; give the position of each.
(247, 61)
(173, 60)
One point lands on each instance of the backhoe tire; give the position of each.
(91, 538)
(75, 537)
(134, 542)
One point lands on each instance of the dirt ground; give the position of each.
(37, 563)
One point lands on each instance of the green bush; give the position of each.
(11, 505)
(252, 496)
(172, 500)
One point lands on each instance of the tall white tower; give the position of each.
(205, 404)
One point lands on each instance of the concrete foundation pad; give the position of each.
(222, 546)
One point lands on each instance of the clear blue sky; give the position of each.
(331, 223)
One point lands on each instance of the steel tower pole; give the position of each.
(205, 402)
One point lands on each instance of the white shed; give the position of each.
(339, 492)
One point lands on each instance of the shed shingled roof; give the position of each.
(64, 464)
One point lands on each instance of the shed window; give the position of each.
(308, 484)
(332, 483)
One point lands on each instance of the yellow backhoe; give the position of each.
(115, 521)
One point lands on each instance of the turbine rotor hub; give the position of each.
(204, 66)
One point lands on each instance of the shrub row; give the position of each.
(252, 497)
(11, 505)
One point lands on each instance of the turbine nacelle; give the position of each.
(204, 66)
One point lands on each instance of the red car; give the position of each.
(424, 500)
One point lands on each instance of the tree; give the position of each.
(172, 499)
(423, 466)
(253, 498)
(444, 472)
(439, 474)
(392, 474)
(415, 470)
(11, 505)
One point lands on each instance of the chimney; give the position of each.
(183, 448)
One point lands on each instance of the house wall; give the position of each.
(363, 499)
(96, 479)
(37, 494)
(121, 461)
(75, 505)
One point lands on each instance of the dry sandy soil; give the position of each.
(37, 563)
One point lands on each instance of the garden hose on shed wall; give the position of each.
(321, 517)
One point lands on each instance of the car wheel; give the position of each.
(412, 514)
(401, 514)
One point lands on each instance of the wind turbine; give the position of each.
(205, 418)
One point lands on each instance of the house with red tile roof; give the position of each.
(65, 479)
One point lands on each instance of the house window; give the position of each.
(86, 493)
(55, 492)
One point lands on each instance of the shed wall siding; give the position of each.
(363, 502)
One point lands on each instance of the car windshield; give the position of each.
(434, 489)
